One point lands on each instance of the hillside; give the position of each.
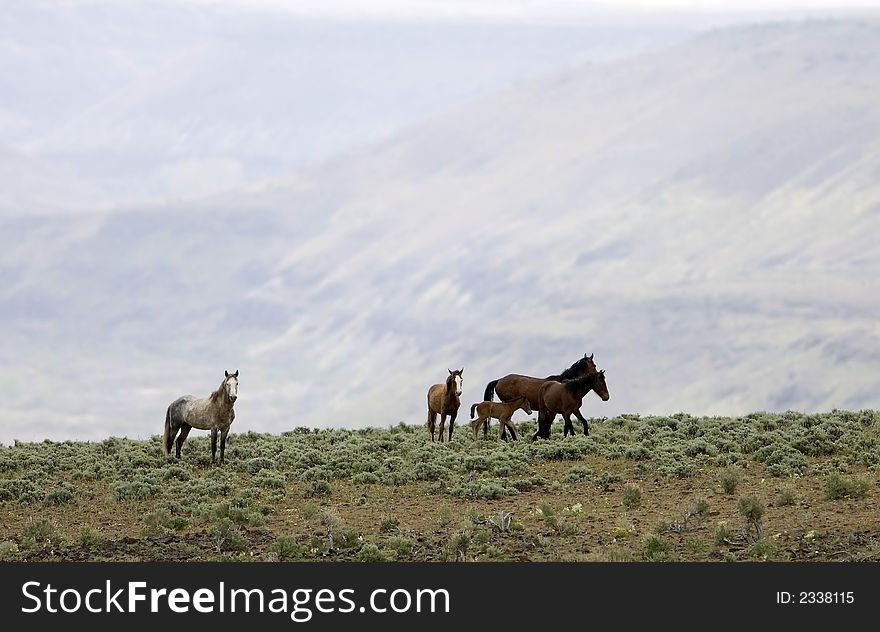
(702, 219)
(778, 487)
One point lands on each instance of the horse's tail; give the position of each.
(489, 395)
(167, 434)
(473, 406)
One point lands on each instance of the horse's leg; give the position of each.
(577, 413)
(184, 431)
(442, 428)
(432, 419)
(545, 421)
(213, 444)
(568, 428)
(510, 424)
(548, 424)
(452, 423)
(169, 440)
(223, 434)
(476, 423)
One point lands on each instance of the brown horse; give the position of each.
(214, 413)
(512, 386)
(566, 398)
(445, 400)
(500, 411)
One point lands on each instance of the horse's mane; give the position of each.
(217, 395)
(569, 374)
(573, 385)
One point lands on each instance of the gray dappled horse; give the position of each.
(213, 413)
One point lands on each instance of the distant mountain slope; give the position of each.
(31, 186)
(153, 101)
(704, 220)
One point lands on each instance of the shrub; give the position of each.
(459, 544)
(8, 551)
(287, 548)
(389, 525)
(346, 538)
(227, 537)
(785, 498)
(723, 534)
(762, 549)
(89, 538)
(528, 484)
(402, 546)
(365, 478)
(637, 452)
(606, 480)
(308, 510)
(40, 534)
(252, 466)
(837, 487)
(176, 472)
(632, 497)
(730, 479)
(319, 487)
(370, 553)
(752, 510)
(445, 517)
(60, 495)
(20, 489)
(578, 473)
(270, 479)
(656, 549)
(136, 490)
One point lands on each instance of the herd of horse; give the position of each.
(561, 394)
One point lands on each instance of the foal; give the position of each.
(502, 411)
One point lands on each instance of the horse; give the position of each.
(445, 400)
(566, 398)
(512, 386)
(502, 411)
(213, 413)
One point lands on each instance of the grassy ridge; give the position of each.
(672, 487)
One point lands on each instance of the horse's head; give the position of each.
(600, 387)
(455, 380)
(230, 384)
(525, 405)
(585, 365)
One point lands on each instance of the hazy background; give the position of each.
(344, 199)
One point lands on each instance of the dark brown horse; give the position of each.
(514, 385)
(566, 398)
(445, 400)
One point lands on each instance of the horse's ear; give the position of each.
(462, 371)
(226, 373)
(235, 374)
(450, 371)
(602, 372)
(591, 356)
